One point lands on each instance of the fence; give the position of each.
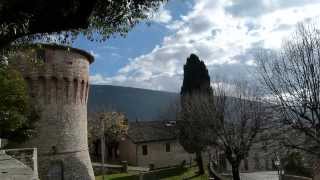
(24, 158)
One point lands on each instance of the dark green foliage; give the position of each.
(196, 81)
(196, 77)
(189, 137)
(16, 115)
(35, 19)
(294, 165)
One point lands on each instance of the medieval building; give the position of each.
(153, 144)
(57, 78)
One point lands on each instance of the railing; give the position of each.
(27, 156)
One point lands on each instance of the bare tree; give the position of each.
(229, 124)
(292, 75)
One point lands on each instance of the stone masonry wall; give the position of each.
(59, 89)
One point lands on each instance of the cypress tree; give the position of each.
(196, 77)
(196, 80)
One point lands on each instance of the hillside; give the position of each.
(136, 103)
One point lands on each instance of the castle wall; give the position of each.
(58, 85)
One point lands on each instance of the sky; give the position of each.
(225, 34)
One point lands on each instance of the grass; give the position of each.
(166, 174)
(118, 176)
(187, 173)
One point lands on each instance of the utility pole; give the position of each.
(103, 145)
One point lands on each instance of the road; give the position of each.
(263, 175)
(11, 168)
(115, 166)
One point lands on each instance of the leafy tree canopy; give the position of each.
(115, 124)
(37, 19)
(16, 115)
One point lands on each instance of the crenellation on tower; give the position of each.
(75, 91)
(68, 76)
(87, 92)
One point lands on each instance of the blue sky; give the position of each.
(223, 33)
(116, 52)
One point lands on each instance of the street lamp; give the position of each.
(277, 163)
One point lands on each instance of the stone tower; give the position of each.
(58, 85)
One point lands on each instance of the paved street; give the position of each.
(11, 168)
(113, 166)
(264, 175)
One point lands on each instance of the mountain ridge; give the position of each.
(136, 103)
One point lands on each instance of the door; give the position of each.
(55, 171)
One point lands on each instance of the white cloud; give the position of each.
(99, 79)
(224, 41)
(162, 15)
(175, 25)
(254, 8)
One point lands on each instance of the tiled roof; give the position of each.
(151, 131)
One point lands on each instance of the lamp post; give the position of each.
(279, 167)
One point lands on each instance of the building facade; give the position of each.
(57, 78)
(152, 144)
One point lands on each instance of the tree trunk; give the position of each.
(235, 171)
(316, 169)
(212, 172)
(199, 162)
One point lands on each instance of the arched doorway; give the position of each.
(55, 171)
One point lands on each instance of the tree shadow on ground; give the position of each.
(156, 174)
(191, 177)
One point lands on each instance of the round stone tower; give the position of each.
(57, 77)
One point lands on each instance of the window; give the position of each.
(167, 147)
(144, 150)
(41, 54)
(246, 164)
